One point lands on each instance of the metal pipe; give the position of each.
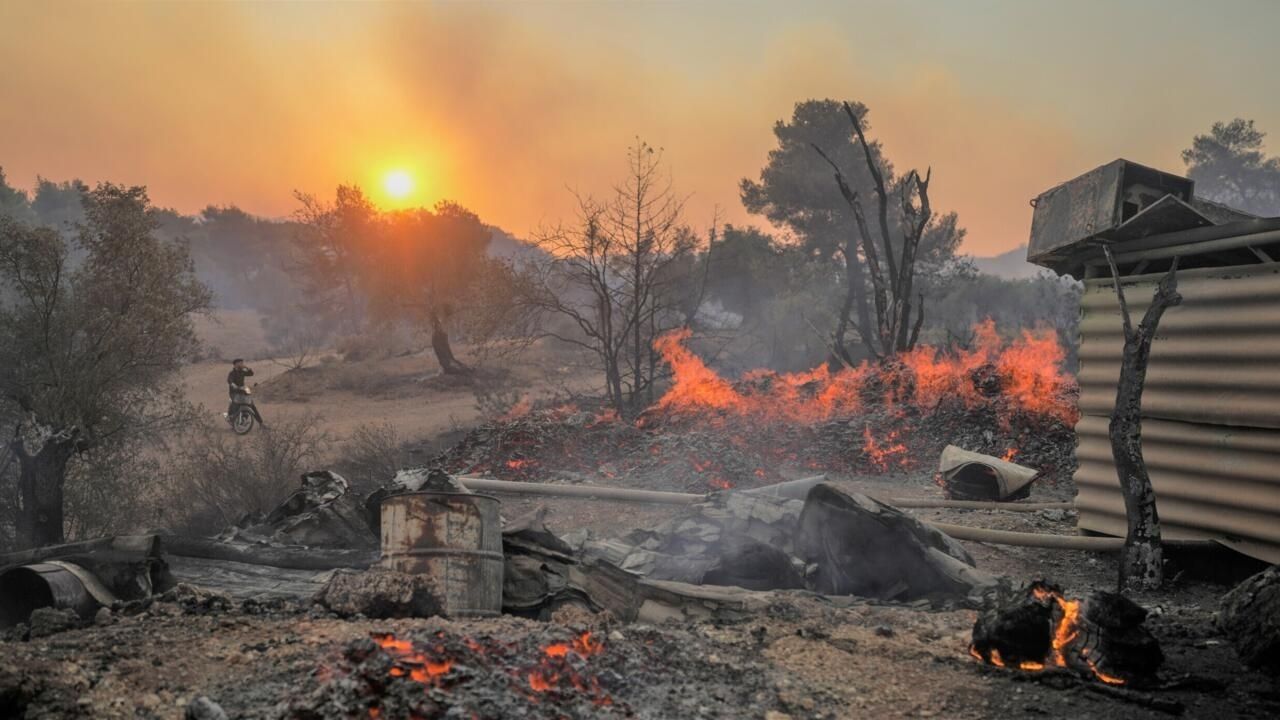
(580, 491)
(1056, 542)
(959, 532)
(673, 498)
(1196, 248)
(978, 505)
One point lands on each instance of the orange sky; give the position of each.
(503, 107)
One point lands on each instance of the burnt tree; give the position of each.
(619, 278)
(1141, 559)
(898, 308)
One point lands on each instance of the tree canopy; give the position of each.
(88, 353)
(1230, 166)
(795, 190)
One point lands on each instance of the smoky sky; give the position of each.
(507, 107)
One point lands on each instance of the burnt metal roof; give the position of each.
(1133, 209)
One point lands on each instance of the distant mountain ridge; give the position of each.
(503, 244)
(1010, 265)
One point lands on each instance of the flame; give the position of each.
(518, 463)
(1027, 368)
(1108, 679)
(1009, 454)
(884, 453)
(539, 681)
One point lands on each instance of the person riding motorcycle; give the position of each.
(236, 388)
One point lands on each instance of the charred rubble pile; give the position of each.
(700, 448)
(731, 554)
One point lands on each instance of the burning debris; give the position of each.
(1100, 638)
(707, 433)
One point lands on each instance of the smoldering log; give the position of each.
(1101, 637)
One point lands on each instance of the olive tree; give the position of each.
(93, 329)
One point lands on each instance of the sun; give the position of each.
(398, 184)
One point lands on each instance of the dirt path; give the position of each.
(415, 413)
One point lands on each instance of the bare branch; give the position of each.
(882, 197)
(1124, 306)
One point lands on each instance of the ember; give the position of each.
(447, 664)
(516, 669)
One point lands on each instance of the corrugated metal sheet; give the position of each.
(1215, 359)
(1212, 402)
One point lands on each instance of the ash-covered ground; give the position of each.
(801, 657)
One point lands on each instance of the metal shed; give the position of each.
(1211, 406)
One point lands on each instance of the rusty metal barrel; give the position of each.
(456, 539)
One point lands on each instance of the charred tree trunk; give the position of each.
(855, 300)
(891, 281)
(41, 477)
(1141, 560)
(443, 350)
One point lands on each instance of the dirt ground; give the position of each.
(802, 658)
(406, 391)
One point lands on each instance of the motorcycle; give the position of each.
(243, 412)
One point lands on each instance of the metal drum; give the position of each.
(25, 588)
(456, 539)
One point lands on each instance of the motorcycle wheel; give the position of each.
(242, 422)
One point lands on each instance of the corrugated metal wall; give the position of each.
(1212, 399)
